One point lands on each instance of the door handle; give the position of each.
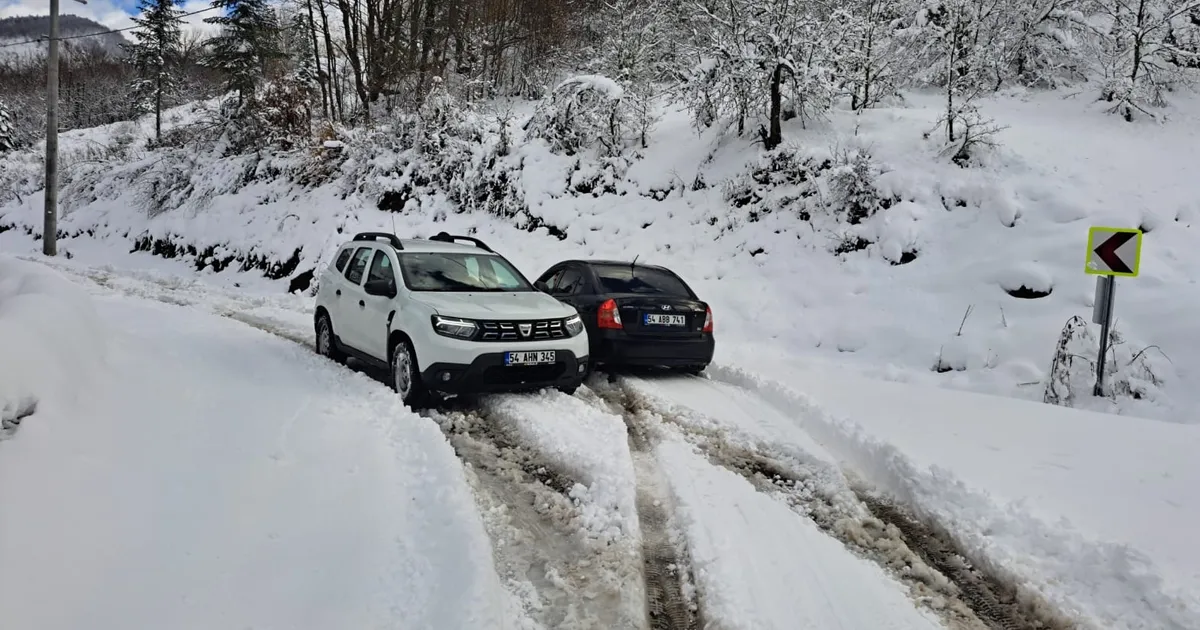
(362, 304)
(338, 293)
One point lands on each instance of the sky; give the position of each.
(111, 13)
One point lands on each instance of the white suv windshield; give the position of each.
(460, 273)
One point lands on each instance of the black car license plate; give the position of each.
(656, 319)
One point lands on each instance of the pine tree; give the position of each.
(248, 42)
(156, 47)
(8, 136)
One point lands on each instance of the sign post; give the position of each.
(1111, 252)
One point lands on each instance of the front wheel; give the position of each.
(406, 377)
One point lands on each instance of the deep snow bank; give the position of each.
(226, 478)
(1093, 511)
(50, 339)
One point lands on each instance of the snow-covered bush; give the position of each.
(583, 112)
(809, 184)
(1137, 374)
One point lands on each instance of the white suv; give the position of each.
(461, 318)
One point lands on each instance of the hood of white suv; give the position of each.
(486, 305)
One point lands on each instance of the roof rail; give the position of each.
(450, 238)
(393, 240)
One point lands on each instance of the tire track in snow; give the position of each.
(671, 602)
(562, 581)
(921, 555)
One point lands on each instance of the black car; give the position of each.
(635, 314)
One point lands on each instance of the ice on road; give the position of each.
(220, 477)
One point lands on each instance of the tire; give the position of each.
(694, 370)
(569, 390)
(405, 375)
(326, 344)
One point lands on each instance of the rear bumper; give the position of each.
(616, 347)
(488, 374)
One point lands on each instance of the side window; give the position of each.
(381, 269)
(551, 279)
(569, 282)
(358, 265)
(343, 258)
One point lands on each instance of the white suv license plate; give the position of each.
(665, 320)
(535, 357)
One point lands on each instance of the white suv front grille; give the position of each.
(518, 330)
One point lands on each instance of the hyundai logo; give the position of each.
(666, 307)
(526, 329)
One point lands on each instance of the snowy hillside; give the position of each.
(963, 277)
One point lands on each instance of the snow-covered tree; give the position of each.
(1144, 49)
(582, 112)
(156, 45)
(248, 42)
(8, 136)
(638, 52)
(754, 58)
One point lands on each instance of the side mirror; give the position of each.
(541, 286)
(382, 288)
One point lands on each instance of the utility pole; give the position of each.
(50, 223)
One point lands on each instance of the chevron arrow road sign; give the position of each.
(1113, 251)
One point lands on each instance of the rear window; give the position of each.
(639, 280)
(342, 259)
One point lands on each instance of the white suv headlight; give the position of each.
(574, 325)
(454, 327)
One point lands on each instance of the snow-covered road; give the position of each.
(228, 477)
(216, 476)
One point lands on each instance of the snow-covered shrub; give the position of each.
(1138, 374)
(809, 184)
(582, 112)
(1071, 368)
(852, 184)
(781, 180)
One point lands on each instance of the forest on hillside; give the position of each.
(288, 70)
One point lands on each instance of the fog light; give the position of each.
(581, 368)
(445, 376)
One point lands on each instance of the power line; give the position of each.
(118, 30)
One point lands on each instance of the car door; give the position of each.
(375, 308)
(352, 301)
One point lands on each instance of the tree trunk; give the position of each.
(322, 77)
(774, 135)
(158, 94)
(335, 91)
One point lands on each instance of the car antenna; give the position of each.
(394, 225)
(632, 263)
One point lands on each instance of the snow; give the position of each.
(1020, 219)
(51, 340)
(758, 566)
(585, 443)
(1094, 511)
(892, 338)
(229, 478)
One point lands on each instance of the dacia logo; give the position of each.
(526, 329)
